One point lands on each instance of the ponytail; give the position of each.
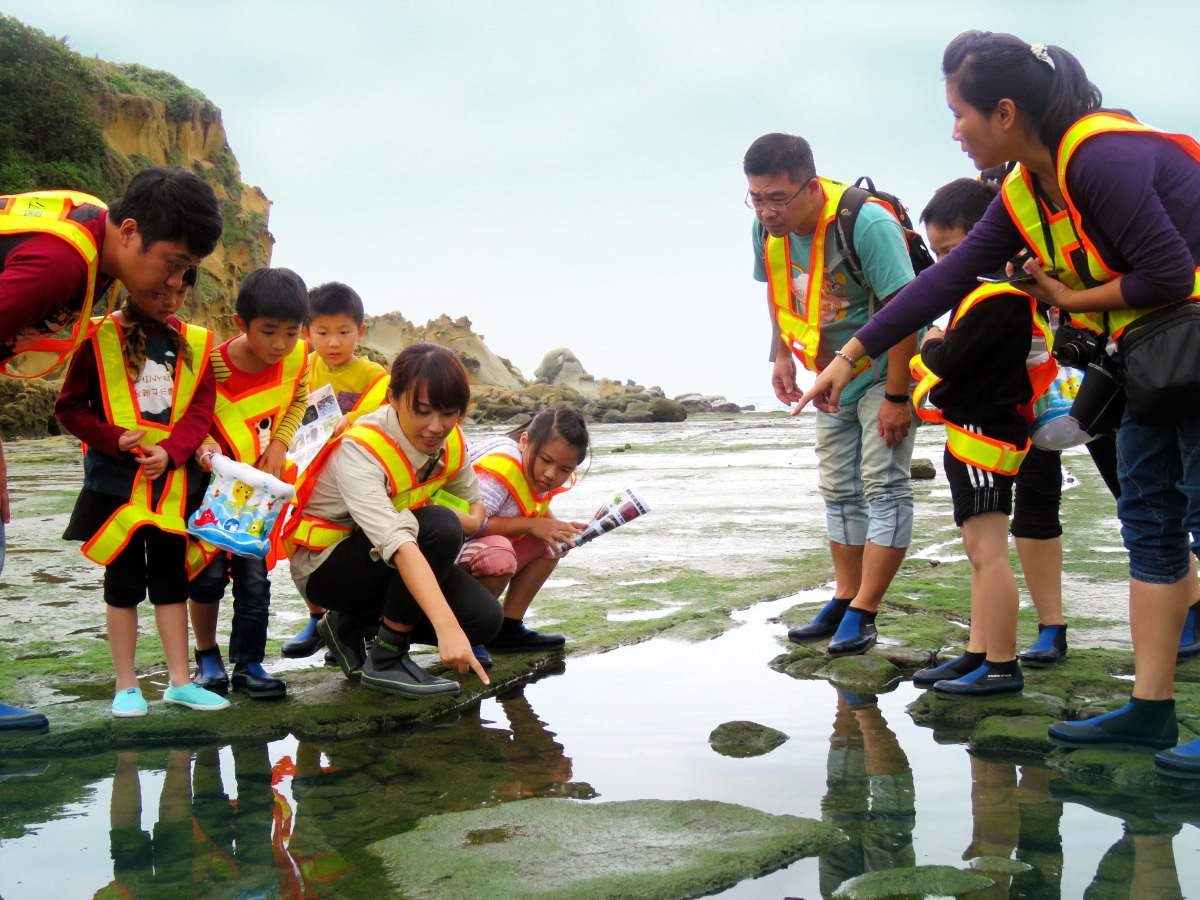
(1046, 83)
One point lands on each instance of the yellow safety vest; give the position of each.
(1067, 247)
(121, 408)
(802, 330)
(373, 397)
(405, 491)
(237, 417)
(978, 450)
(47, 212)
(511, 474)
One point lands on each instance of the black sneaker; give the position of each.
(986, 681)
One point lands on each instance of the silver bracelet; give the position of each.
(847, 358)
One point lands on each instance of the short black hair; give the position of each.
(959, 204)
(171, 204)
(272, 294)
(773, 154)
(335, 299)
(447, 385)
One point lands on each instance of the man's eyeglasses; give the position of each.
(773, 205)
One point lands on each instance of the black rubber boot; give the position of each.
(389, 668)
(823, 625)
(210, 671)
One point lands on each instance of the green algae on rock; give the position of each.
(562, 849)
(745, 739)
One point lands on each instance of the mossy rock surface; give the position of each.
(564, 850)
(1013, 736)
(745, 739)
(916, 882)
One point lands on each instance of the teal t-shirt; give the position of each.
(845, 304)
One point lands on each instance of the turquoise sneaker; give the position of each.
(194, 697)
(129, 704)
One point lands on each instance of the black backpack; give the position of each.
(852, 200)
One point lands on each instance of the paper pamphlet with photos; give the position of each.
(625, 506)
(316, 427)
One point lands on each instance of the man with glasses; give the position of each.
(864, 446)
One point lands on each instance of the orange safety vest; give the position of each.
(121, 408)
(802, 329)
(974, 449)
(48, 212)
(236, 417)
(511, 474)
(404, 490)
(1067, 246)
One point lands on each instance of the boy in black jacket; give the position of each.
(975, 372)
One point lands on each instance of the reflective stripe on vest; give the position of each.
(373, 397)
(46, 212)
(511, 474)
(121, 408)
(237, 418)
(802, 330)
(1068, 235)
(974, 449)
(318, 534)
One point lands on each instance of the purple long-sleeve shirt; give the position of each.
(1139, 197)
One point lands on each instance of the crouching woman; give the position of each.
(366, 545)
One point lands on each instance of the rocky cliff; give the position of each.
(119, 118)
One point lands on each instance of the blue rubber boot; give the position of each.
(210, 671)
(948, 671)
(1189, 639)
(1048, 649)
(481, 654)
(307, 642)
(1138, 725)
(1182, 762)
(855, 635)
(823, 625)
(988, 680)
(14, 720)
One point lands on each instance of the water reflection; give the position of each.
(869, 794)
(291, 818)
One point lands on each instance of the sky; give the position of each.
(569, 175)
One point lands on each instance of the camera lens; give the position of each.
(1067, 354)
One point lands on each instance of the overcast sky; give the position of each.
(569, 174)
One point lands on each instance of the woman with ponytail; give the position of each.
(1107, 205)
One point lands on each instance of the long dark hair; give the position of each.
(564, 421)
(1051, 93)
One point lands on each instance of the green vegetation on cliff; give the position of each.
(48, 133)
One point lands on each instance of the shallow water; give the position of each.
(291, 817)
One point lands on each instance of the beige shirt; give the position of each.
(352, 489)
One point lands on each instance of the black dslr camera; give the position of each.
(1076, 347)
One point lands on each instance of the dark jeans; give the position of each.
(251, 602)
(361, 589)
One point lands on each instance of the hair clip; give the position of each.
(1039, 51)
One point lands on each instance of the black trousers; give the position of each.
(361, 589)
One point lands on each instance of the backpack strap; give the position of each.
(847, 217)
